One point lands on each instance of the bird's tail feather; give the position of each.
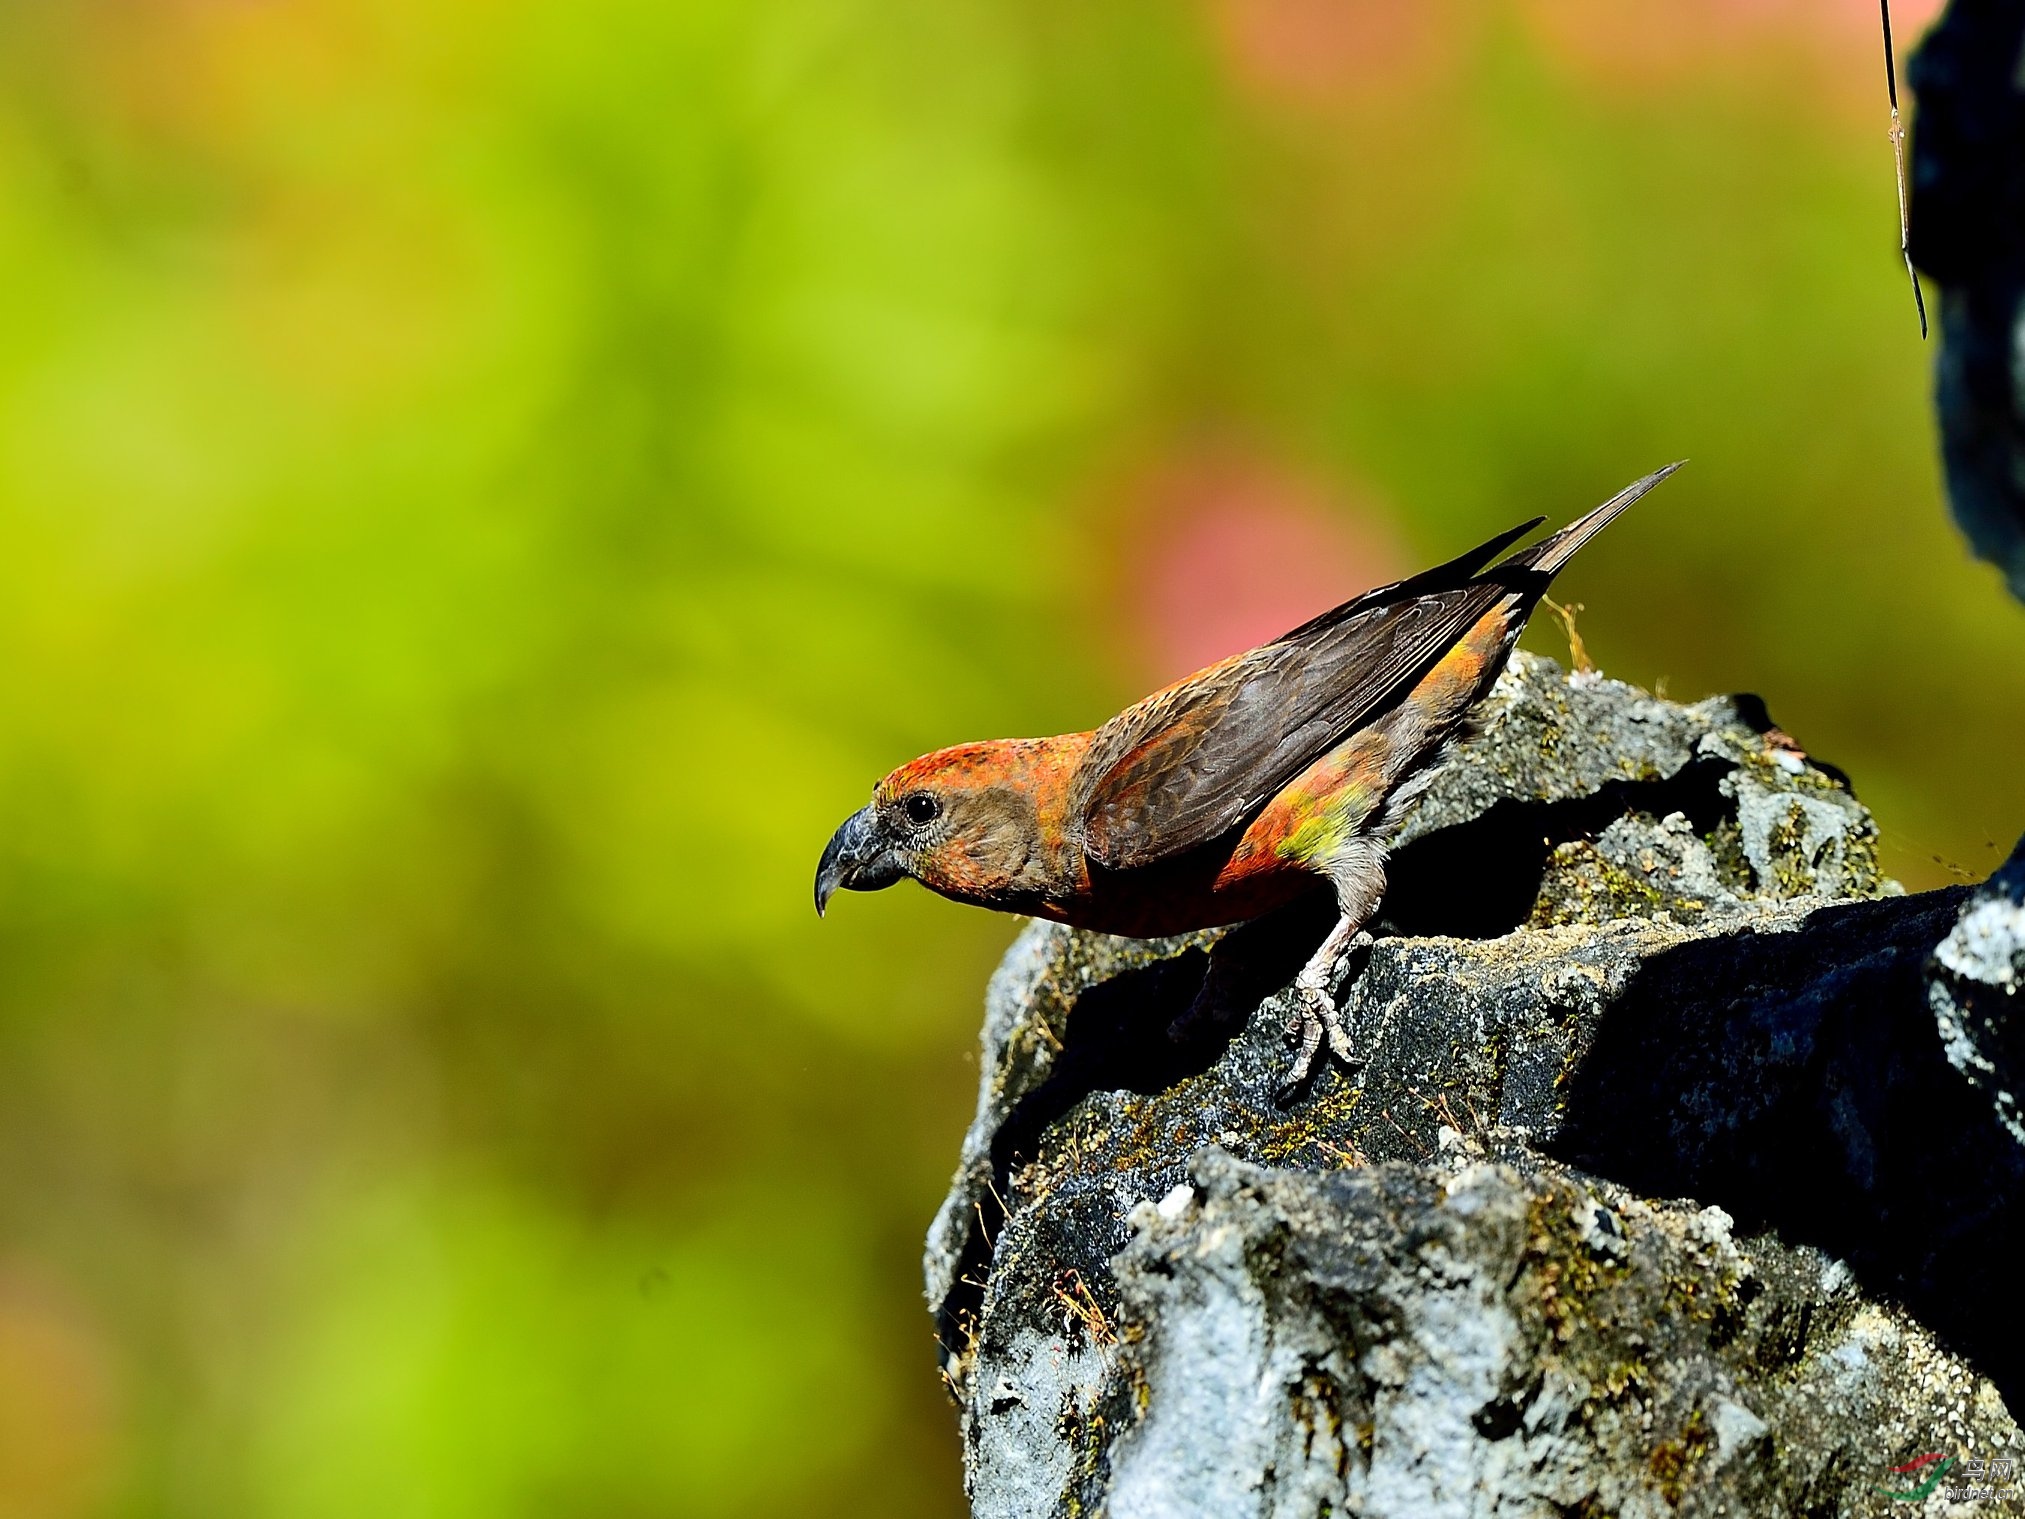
(1548, 556)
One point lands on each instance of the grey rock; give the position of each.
(1633, 951)
(1976, 988)
(1401, 1340)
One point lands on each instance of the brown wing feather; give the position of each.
(1155, 749)
(1188, 764)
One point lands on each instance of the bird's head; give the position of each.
(963, 822)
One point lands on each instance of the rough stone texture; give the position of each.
(1402, 1339)
(1968, 234)
(1977, 989)
(1633, 951)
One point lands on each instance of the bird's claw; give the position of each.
(1315, 1016)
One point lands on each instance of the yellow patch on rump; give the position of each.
(1324, 806)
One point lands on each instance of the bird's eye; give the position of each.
(921, 809)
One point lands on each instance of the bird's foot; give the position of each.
(1316, 1017)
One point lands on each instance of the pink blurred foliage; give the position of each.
(1836, 44)
(1231, 549)
(1324, 52)
(1317, 51)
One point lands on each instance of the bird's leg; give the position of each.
(1314, 1013)
(1358, 888)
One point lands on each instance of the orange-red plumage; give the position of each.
(1230, 793)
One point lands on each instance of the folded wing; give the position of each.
(1188, 764)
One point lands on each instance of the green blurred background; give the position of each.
(485, 488)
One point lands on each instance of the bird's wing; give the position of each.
(1186, 765)
(1441, 577)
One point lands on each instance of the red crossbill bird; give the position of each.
(1232, 792)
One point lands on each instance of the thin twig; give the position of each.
(1397, 1128)
(1578, 652)
(992, 1182)
(1350, 1155)
(1476, 1118)
(1081, 1304)
(1898, 164)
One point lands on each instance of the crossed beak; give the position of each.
(857, 858)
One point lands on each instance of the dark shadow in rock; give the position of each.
(1473, 880)
(1754, 714)
(1797, 1081)
(1479, 880)
(1256, 959)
